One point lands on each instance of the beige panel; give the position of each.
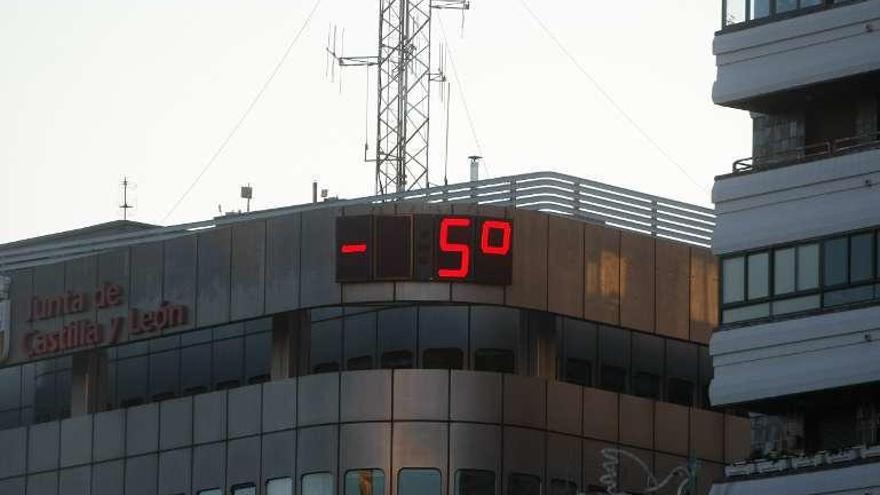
(636, 421)
(601, 274)
(529, 287)
(704, 295)
(673, 288)
(637, 281)
(600, 414)
(671, 428)
(707, 434)
(565, 266)
(737, 438)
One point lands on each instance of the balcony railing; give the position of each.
(744, 13)
(807, 153)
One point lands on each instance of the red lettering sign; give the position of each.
(485, 237)
(464, 250)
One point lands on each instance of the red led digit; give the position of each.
(452, 247)
(353, 248)
(488, 227)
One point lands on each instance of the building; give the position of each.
(394, 345)
(797, 233)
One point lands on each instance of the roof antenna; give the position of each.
(125, 206)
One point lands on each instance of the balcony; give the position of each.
(742, 14)
(804, 154)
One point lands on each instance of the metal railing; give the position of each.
(549, 192)
(748, 12)
(807, 153)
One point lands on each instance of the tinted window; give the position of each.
(280, 486)
(317, 484)
(759, 275)
(614, 356)
(499, 360)
(228, 363)
(212, 491)
(131, 381)
(579, 347)
(835, 261)
(474, 482)
(443, 336)
(647, 365)
(365, 482)
(523, 484)
(563, 487)
(397, 337)
(164, 374)
(680, 391)
(360, 340)
(861, 264)
(195, 365)
(10, 388)
(614, 378)
(646, 385)
(244, 490)
(784, 271)
(494, 334)
(258, 357)
(419, 482)
(325, 344)
(808, 267)
(734, 282)
(682, 369)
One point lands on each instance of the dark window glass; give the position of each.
(62, 385)
(133, 349)
(131, 381)
(365, 482)
(443, 330)
(474, 482)
(443, 359)
(681, 391)
(647, 365)
(195, 369)
(646, 385)
(227, 363)
(280, 486)
(258, 357)
(494, 334)
(360, 340)
(419, 482)
(317, 484)
(10, 419)
(44, 398)
(523, 484)
(397, 337)
(808, 267)
(759, 275)
(734, 283)
(563, 487)
(579, 347)
(835, 261)
(10, 388)
(706, 373)
(500, 360)
(164, 375)
(861, 256)
(244, 490)
(614, 378)
(614, 358)
(325, 340)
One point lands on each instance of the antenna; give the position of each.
(125, 206)
(404, 81)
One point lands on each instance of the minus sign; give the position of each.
(353, 248)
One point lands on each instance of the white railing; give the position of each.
(549, 192)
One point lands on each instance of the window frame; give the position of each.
(821, 290)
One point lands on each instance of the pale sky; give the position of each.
(94, 90)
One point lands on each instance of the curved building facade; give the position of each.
(360, 349)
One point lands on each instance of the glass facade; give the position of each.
(740, 11)
(785, 280)
(279, 486)
(317, 484)
(419, 482)
(35, 392)
(474, 482)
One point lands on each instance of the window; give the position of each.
(227, 363)
(211, 491)
(861, 251)
(563, 487)
(579, 351)
(682, 371)
(760, 8)
(443, 336)
(646, 385)
(419, 482)
(808, 267)
(474, 482)
(784, 271)
(365, 482)
(681, 392)
(248, 489)
(835, 261)
(614, 378)
(279, 486)
(360, 339)
(494, 338)
(734, 279)
(317, 484)
(647, 365)
(614, 356)
(325, 342)
(397, 337)
(786, 5)
(499, 360)
(759, 271)
(523, 484)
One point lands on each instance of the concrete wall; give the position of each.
(367, 419)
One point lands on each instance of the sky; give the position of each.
(92, 91)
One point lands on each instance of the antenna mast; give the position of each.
(404, 90)
(125, 206)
